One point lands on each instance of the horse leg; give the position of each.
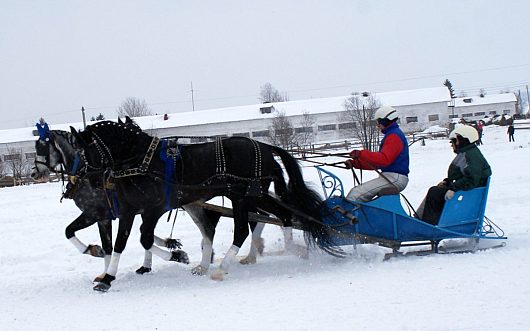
(148, 256)
(206, 221)
(147, 238)
(241, 231)
(124, 229)
(105, 233)
(256, 245)
(81, 222)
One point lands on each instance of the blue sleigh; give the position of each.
(384, 222)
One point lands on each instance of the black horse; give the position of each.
(55, 150)
(238, 168)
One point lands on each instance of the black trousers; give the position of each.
(434, 204)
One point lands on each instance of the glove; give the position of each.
(348, 164)
(355, 154)
(449, 195)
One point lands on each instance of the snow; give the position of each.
(47, 284)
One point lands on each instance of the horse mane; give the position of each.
(123, 140)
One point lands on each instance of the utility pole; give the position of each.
(192, 101)
(527, 100)
(84, 121)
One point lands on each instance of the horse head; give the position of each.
(111, 145)
(56, 150)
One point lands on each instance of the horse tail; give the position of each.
(308, 202)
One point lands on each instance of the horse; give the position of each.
(239, 168)
(56, 149)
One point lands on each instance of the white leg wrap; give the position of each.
(258, 230)
(288, 235)
(165, 255)
(160, 242)
(78, 244)
(113, 265)
(148, 259)
(207, 250)
(229, 257)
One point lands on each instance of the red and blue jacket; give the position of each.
(393, 155)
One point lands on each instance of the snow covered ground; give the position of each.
(47, 285)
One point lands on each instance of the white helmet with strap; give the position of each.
(386, 112)
(465, 131)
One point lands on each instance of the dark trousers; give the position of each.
(434, 204)
(510, 137)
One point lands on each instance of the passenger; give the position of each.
(392, 159)
(468, 170)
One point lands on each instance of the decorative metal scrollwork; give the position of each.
(331, 184)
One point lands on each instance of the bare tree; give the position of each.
(305, 132)
(133, 107)
(482, 93)
(359, 110)
(19, 167)
(269, 93)
(2, 169)
(281, 132)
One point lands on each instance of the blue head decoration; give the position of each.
(44, 131)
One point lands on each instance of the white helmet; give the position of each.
(386, 112)
(465, 131)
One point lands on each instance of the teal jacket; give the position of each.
(468, 170)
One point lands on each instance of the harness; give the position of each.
(142, 168)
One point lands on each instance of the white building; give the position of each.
(478, 107)
(418, 110)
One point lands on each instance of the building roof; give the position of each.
(251, 112)
(485, 100)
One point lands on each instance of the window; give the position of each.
(242, 134)
(467, 115)
(493, 112)
(198, 140)
(346, 126)
(468, 100)
(480, 113)
(506, 112)
(304, 129)
(264, 133)
(411, 119)
(30, 155)
(434, 117)
(266, 110)
(11, 157)
(453, 116)
(327, 127)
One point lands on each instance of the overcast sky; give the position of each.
(56, 56)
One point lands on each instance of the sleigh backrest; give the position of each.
(464, 213)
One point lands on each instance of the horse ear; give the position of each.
(128, 119)
(120, 121)
(78, 137)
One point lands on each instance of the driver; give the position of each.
(392, 160)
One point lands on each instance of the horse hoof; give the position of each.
(248, 260)
(101, 287)
(143, 270)
(98, 279)
(218, 275)
(199, 270)
(95, 250)
(180, 256)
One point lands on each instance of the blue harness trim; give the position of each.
(75, 166)
(169, 170)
